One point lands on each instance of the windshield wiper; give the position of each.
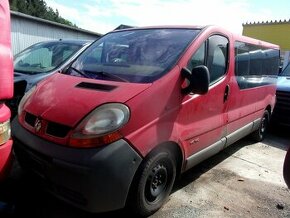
(80, 72)
(95, 74)
(105, 74)
(112, 76)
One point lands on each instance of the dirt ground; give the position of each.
(244, 180)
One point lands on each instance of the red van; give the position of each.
(140, 106)
(6, 88)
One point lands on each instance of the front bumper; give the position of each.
(96, 180)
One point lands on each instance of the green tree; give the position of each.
(38, 8)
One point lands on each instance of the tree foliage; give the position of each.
(38, 8)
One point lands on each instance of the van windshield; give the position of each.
(139, 56)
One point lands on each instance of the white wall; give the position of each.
(27, 30)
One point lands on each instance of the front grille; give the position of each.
(52, 128)
(30, 119)
(282, 108)
(58, 130)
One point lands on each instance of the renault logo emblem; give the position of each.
(37, 125)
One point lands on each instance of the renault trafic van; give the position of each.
(140, 106)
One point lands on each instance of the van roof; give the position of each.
(213, 28)
(164, 27)
(72, 41)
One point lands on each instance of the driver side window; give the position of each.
(198, 58)
(213, 53)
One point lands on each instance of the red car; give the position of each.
(6, 88)
(140, 106)
(286, 169)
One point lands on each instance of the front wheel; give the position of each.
(154, 182)
(260, 133)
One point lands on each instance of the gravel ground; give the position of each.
(244, 180)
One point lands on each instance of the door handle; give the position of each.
(227, 92)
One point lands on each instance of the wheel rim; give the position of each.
(156, 183)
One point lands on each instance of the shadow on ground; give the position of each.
(277, 137)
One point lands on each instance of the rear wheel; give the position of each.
(286, 168)
(153, 183)
(260, 133)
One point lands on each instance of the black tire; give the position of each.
(153, 183)
(260, 133)
(286, 168)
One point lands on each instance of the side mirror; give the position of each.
(197, 81)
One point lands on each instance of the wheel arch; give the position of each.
(175, 150)
(269, 109)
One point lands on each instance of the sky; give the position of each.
(102, 16)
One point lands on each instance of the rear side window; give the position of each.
(255, 65)
(213, 53)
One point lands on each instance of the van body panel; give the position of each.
(68, 87)
(242, 109)
(205, 153)
(202, 119)
(155, 119)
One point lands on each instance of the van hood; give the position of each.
(68, 99)
(283, 83)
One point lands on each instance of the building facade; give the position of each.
(277, 32)
(27, 30)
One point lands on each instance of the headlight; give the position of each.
(101, 125)
(5, 132)
(24, 99)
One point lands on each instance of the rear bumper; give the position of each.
(96, 180)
